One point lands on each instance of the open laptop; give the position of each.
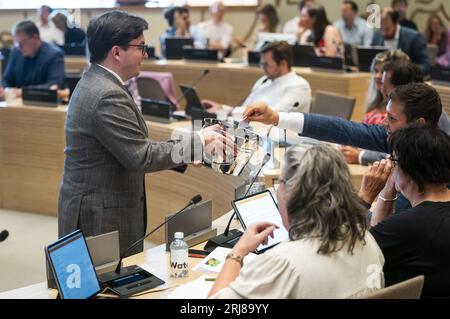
(192, 98)
(366, 56)
(440, 76)
(72, 267)
(174, 47)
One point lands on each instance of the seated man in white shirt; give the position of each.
(47, 30)
(354, 30)
(280, 87)
(216, 31)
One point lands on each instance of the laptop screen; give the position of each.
(72, 267)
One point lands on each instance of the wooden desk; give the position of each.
(230, 83)
(32, 145)
(157, 260)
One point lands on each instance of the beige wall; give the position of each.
(240, 18)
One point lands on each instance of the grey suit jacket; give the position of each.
(107, 154)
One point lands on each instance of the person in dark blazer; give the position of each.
(394, 36)
(410, 103)
(33, 62)
(108, 150)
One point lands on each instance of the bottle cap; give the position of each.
(179, 235)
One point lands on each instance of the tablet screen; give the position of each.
(72, 267)
(261, 207)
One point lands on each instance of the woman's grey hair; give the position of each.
(321, 201)
(374, 97)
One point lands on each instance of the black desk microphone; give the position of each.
(3, 235)
(191, 87)
(133, 279)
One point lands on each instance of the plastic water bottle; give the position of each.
(179, 257)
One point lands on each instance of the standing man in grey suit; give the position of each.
(108, 150)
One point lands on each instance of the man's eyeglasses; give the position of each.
(143, 47)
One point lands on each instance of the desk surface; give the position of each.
(156, 259)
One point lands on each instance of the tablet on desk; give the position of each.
(257, 208)
(72, 267)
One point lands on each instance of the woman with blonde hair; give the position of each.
(330, 253)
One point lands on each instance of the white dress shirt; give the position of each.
(291, 26)
(359, 34)
(393, 44)
(220, 32)
(49, 33)
(281, 94)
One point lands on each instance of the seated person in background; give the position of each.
(353, 29)
(268, 21)
(394, 36)
(47, 30)
(330, 248)
(438, 34)
(415, 241)
(401, 7)
(325, 36)
(72, 35)
(376, 98)
(217, 32)
(293, 25)
(408, 104)
(180, 26)
(280, 86)
(33, 62)
(395, 73)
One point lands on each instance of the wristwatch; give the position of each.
(237, 258)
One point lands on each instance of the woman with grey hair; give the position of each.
(330, 253)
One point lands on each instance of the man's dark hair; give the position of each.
(352, 4)
(169, 14)
(423, 153)
(394, 16)
(395, 2)
(403, 72)
(281, 50)
(419, 100)
(49, 9)
(114, 28)
(26, 27)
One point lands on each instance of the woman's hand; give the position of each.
(255, 235)
(374, 180)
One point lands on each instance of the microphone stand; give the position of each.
(133, 279)
(225, 239)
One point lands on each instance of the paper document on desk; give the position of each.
(196, 289)
(213, 263)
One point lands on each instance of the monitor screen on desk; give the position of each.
(174, 47)
(261, 207)
(72, 267)
(366, 56)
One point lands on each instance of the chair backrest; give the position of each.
(157, 86)
(150, 88)
(408, 289)
(333, 104)
(432, 51)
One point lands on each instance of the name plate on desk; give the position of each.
(440, 76)
(205, 55)
(329, 64)
(40, 97)
(158, 111)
